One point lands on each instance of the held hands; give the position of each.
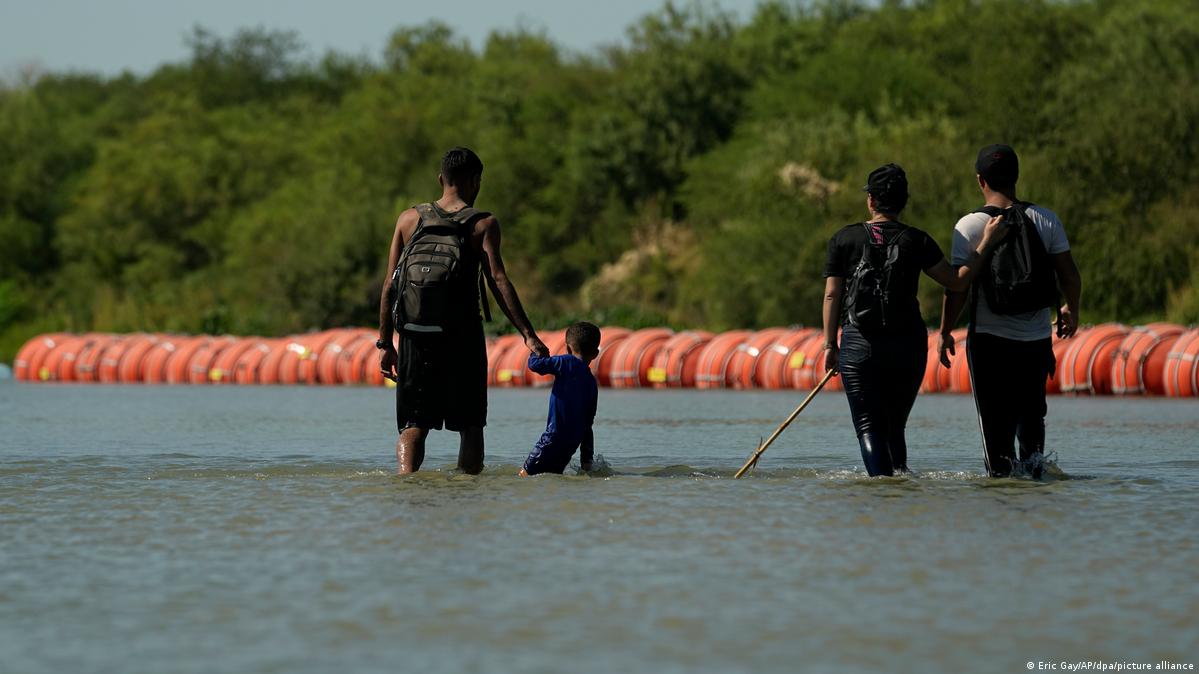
(945, 347)
(1067, 322)
(832, 358)
(387, 363)
(993, 233)
(534, 344)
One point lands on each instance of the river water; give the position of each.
(246, 529)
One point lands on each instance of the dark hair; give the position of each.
(460, 165)
(999, 167)
(583, 338)
(888, 184)
(890, 204)
(1006, 187)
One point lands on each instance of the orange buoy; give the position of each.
(326, 360)
(495, 354)
(675, 364)
(298, 350)
(199, 367)
(268, 369)
(744, 361)
(178, 365)
(556, 342)
(772, 368)
(365, 359)
(224, 364)
(20, 364)
(610, 339)
(106, 369)
(28, 364)
(87, 365)
(317, 343)
(810, 368)
(129, 370)
(511, 368)
(245, 370)
(801, 367)
(59, 364)
(153, 366)
(1088, 362)
(1180, 376)
(156, 364)
(1140, 358)
(712, 370)
(635, 356)
(346, 372)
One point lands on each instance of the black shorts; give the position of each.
(442, 380)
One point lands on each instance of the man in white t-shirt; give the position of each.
(1010, 354)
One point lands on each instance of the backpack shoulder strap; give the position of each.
(989, 210)
(887, 241)
(467, 216)
(428, 213)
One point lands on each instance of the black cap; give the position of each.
(888, 183)
(998, 165)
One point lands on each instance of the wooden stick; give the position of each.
(753, 460)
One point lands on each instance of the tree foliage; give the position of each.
(691, 176)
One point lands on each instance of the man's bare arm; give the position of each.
(1069, 279)
(501, 286)
(386, 299)
(951, 308)
(959, 278)
(834, 291)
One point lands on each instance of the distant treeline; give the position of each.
(690, 177)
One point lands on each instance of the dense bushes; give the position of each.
(691, 176)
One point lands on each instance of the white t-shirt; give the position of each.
(1028, 327)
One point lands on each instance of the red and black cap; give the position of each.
(998, 165)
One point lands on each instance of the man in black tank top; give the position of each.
(441, 376)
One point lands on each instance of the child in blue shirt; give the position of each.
(572, 403)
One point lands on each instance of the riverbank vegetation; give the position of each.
(689, 177)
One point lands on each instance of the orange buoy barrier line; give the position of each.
(713, 367)
(1141, 358)
(744, 360)
(1181, 373)
(634, 357)
(676, 361)
(1087, 366)
(771, 371)
(1159, 359)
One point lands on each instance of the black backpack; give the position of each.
(428, 287)
(1018, 278)
(869, 305)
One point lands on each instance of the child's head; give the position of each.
(583, 340)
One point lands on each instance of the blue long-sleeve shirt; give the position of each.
(572, 413)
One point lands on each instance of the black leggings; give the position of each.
(882, 375)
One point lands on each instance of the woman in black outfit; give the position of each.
(872, 274)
